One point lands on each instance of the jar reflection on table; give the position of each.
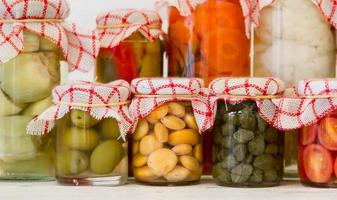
(247, 152)
(26, 84)
(90, 152)
(209, 43)
(167, 147)
(284, 49)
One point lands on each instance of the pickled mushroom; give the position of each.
(25, 78)
(15, 144)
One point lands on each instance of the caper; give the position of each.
(271, 135)
(231, 118)
(257, 176)
(247, 119)
(243, 136)
(272, 149)
(241, 173)
(224, 176)
(264, 162)
(249, 159)
(240, 152)
(228, 129)
(257, 145)
(227, 142)
(222, 154)
(229, 162)
(270, 175)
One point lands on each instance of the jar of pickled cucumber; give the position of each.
(131, 45)
(292, 54)
(247, 151)
(209, 41)
(92, 123)
(166, 142)
(29, 69)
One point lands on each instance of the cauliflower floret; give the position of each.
(294, 45)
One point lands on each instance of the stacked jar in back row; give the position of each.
(131, 45)
(30, 67)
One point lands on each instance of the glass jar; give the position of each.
(209, 43)
(89, 151)
(167, 146)
(167, 142)
(247, 152)
(26, 84)
(129, 55)
(284, 49)
(317, 153)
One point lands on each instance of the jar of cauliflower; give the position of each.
(294, 41)
(166, 143)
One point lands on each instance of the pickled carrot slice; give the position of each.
(225, 50)
(216, 14)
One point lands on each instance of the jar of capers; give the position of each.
(131, 45)
(32, 49)
(166, 143)
(91, 145)
(247, 151)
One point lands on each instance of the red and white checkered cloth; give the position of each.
(86, 93)
(252, 9)
(305, 110)
(237, 90)
(164, 90)
(80, 47)
(121, 24)
(186, 7)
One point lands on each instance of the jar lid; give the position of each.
(167, 86)
(116, 26)
(46, 18)
(250, 87)
(311, 87)
(99, 100)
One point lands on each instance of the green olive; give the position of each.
(243, 136)
(106, 157)
(241, 173)
(264, 162)
(240, 152)
(257, 145)
(79, 139)
(109, 129)
(247, 119)
(257, 176)
(71, 163)
(271, 175)
(82, 119)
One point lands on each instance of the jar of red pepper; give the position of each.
(131, 45)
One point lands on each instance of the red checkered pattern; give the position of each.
(123, 23)
(80, 47)
(295, 113)
(168, 90)
(243, 89)
(86, 93)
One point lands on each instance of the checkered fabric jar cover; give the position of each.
(100, 100)
(236, 90)
(151, 93)
(46, 18)
(116, 26)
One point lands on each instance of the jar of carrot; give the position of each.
(208, 41)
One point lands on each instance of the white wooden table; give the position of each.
(132, 191)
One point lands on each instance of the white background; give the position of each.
(84, 13)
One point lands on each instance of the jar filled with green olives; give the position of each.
(92, 123)
(247, 151)
(131, 45)
(166, 142)
(33, 45)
